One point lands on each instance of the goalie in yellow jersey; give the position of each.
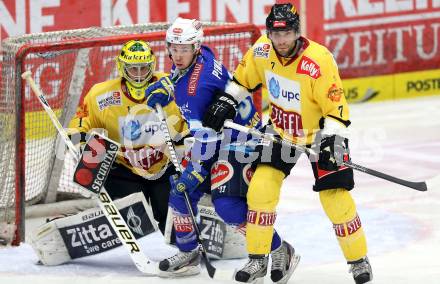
(307, 107)
(119, 107)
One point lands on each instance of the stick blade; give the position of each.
(220, 274)
(433, 183)
(224, 274)
(149, 268)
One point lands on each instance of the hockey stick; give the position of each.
(111, 212)
(212, 271)
(420, 186)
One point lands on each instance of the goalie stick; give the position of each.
(420, 186)
(213, 272)
(143, 264)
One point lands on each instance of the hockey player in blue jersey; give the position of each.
(197, 80)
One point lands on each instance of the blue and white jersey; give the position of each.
(196, 88)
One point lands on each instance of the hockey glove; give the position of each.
(160, 92)
(333, 151)
(224, 107)
(189, 180)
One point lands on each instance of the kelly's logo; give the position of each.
(308, 67)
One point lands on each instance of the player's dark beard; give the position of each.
(292, 51)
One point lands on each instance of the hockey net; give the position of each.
(65, 64)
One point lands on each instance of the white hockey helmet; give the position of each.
(185, 31)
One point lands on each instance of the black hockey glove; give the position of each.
(224, 107)
(332, 152)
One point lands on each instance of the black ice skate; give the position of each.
(284, 262)
(361, 270)
(181, 264)
(254, 270)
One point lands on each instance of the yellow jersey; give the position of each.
(303, 90)
(130, 123)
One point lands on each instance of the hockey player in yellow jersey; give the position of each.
(307, 107)
(119, 107)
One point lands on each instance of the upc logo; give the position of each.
(275, 90)
(153, 128)
(132, 130)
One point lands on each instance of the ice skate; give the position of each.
(361, 269)
(254, 270)
(284, 262)
(180, 264)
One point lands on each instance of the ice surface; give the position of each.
(402, 225)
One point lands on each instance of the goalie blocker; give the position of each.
(95, 163)
(89, 232)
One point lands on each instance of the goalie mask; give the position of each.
(186, 32)
(136, 63)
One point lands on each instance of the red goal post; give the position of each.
(65, 65)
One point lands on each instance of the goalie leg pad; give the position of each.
(223, 227)
(341, 210)
(89, 233)
(263, 197)
(49, 245)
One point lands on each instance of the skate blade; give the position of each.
(183, 272)
(293, 264)
(256, 281)
(259, 281)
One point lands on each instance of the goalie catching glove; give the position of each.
(223, 108)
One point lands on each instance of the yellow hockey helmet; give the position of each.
(136, 63)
